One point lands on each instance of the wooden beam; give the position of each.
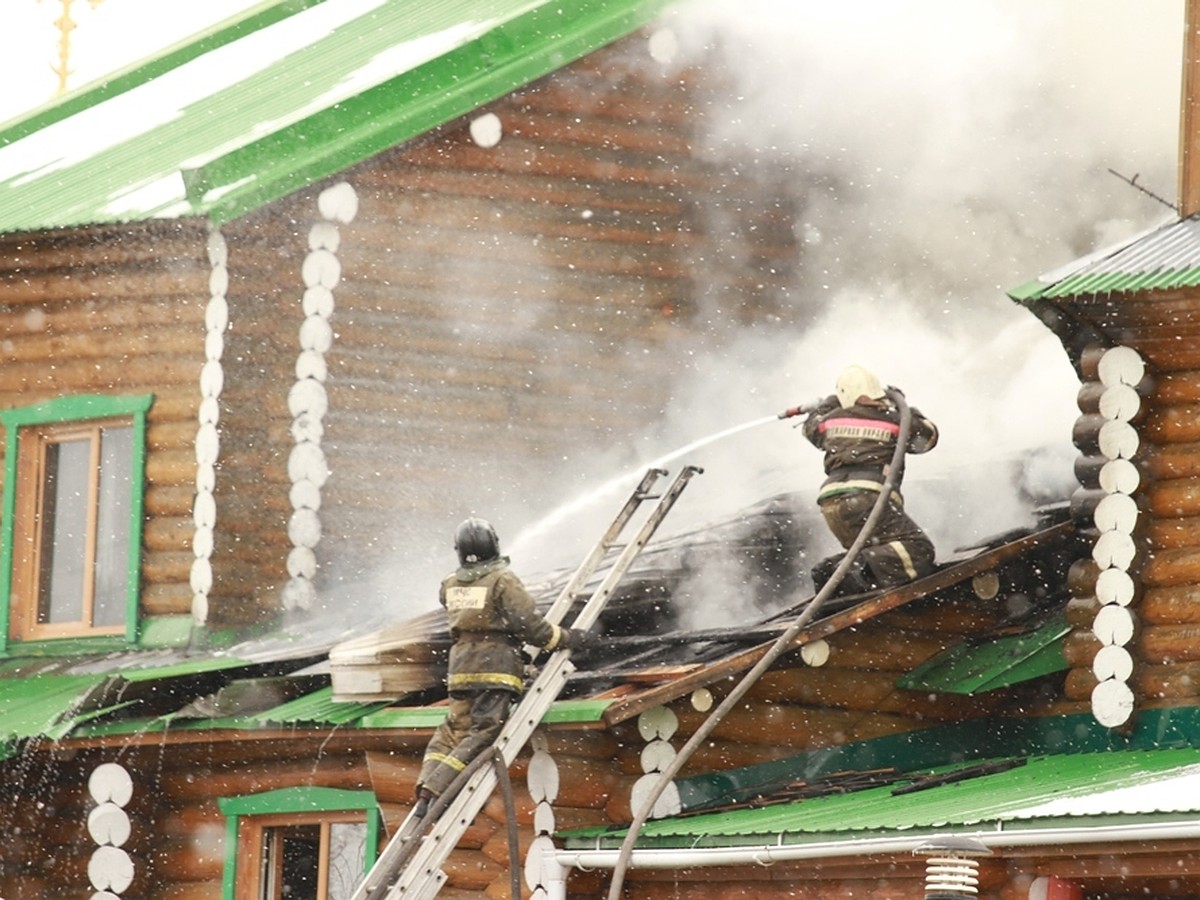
(633, 705)
(1189, 115)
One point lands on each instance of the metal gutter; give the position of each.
(766, 854)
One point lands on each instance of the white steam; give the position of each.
(940, 153)
(943, 152)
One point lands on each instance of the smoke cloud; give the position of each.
(942, 153)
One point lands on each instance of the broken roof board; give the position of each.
(274, 102)
(1103, 788)
(1164, 258)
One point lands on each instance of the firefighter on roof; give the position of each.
(857, 427)
(491, 617)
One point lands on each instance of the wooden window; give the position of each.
(72, 525)
(299, 843)
(301, 857)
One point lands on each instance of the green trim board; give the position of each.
(283, 99)
(77, 408)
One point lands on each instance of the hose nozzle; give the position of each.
(802, 410)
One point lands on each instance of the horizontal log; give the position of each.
(1173, 533)
(496, 847)
(1085, 433)
(167, 599)
(167, 566)
(799, 726)
(1084, 502)
(1081, 612)
(1079, 684)
(1087, 469)
(587, 783)
(564, 745)
(136, 374)
(338, 772)
(171, 468)
(1178, 498)
(860, 690)
(714, 756)
(1080, 648)
(1089, 361)
(177, 434)
(1161, 644)
(1081, 578)
(1171, 568)
(1173, 425)
(1169, 354)
(174, 501)
(1178, 605)
(1172, 681)
(393, 775)
(470, 870)
(874, 651)
(1178, 388)
(1161, 462)
(168, 534)
(107, 341)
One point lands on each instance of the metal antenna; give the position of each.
(1133, 183)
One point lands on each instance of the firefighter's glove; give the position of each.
(575, 639)
(825, 404)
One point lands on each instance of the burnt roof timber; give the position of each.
(632, 706)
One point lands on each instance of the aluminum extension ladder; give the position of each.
(410, 865)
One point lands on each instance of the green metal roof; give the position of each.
(41, 706)
(977, 666)
(1052, 791)
(289, 93)
(1165, 258)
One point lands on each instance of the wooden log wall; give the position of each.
(1140, 439)
(118, 310)
(506, 311)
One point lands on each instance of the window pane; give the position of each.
(293, 858)
(64, 532)
(112, 537)
(347, 853)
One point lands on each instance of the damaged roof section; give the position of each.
(648, 656)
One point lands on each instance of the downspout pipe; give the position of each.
(782, 644)
(767, 854)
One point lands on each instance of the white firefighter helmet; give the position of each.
(855, 382)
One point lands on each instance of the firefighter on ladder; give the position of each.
(491, 618)
(857, 428)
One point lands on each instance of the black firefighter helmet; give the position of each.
(476, 542)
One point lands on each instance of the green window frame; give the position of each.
(64, 412)
(277, 806)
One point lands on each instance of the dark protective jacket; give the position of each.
(859, 442)
(491, 617)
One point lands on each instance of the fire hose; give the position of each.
(781, 645)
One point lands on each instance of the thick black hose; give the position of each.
(510, 818)
(781, 645)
